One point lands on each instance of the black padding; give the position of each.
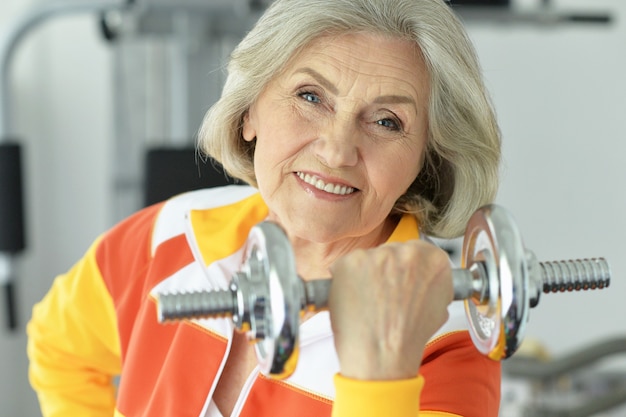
(171, 171)
(11, 307)
(11, 199)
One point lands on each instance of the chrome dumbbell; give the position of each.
(499, 282)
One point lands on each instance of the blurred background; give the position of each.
(92, 91)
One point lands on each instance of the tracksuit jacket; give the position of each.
(99, 320)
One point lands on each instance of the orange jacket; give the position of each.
(99, 320)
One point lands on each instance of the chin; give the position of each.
(318, 231)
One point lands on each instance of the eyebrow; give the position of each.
(333, 89)
(320, 78)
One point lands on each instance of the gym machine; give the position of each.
(500, 280)
(182, 20)
(580, 383)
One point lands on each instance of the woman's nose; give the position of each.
(337, 144)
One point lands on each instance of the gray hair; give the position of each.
(461, 169)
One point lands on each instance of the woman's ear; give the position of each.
(249, 131)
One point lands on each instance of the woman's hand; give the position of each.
(385, 304)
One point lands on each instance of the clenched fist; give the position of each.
(385, 303)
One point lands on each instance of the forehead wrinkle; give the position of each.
(349, 60)
(382, 99)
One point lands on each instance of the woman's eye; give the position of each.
(311, 97)
(390, 124)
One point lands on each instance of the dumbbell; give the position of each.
(499, 282)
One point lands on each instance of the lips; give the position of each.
(328, 187)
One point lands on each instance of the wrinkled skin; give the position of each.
(386, 303)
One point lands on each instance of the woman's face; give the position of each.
(340, 135)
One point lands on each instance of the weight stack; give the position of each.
(12, 236)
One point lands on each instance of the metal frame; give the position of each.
(44, 11)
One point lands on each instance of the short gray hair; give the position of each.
(461, 170)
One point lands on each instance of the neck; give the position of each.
(313, 259)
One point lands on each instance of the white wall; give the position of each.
(560, 95)
(62, 115)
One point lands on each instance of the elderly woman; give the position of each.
(361, 127)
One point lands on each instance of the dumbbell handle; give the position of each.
(546, 277)
(473, 282)
(174, 306)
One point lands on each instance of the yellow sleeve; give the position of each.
(377, 398)
(380, 398)
(73, 344)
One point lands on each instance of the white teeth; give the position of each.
(321, 185)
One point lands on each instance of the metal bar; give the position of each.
(44, 10)
(196, 305)
(542, 370)
(591, 407)
(540, 16)
(6, 283)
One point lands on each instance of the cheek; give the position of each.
(397, 172)
(276, 147)
(284, 138)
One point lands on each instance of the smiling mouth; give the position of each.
(327, 187)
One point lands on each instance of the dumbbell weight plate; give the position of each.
(275, 320)
(497, 322)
